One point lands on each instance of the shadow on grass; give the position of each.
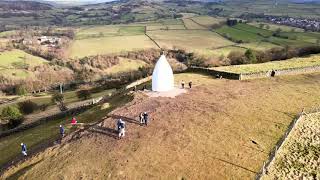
(126, 119)
(104, 130)
(22, 171)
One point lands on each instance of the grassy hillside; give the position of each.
(192, 40)
(228, 125)
(12, 63)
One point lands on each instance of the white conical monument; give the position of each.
(162, 77)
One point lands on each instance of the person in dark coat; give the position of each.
(190, 84)
(182, 84)
(61, 131)
(121, 128)
(24, 149)
(145, 118)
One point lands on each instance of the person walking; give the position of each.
(141, 118)
(121, 128)
(182, 84)
(61, 131)
(74, 121)
(24, 149)
(190, 84)
(145, 118)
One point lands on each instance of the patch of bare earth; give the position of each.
(219, 129)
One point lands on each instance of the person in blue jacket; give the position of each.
(24, 149)
(61, 131)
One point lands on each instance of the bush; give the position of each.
(84, 94)
(13, 115)
(28, 107)
(21, 90)
(57, 98)
(251, 56)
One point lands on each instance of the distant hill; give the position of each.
(24, 5)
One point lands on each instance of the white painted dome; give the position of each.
(162, 77)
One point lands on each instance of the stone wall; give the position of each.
(289, 71)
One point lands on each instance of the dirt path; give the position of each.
(220, 129)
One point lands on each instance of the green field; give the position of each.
(225, 51)
(7, 33)
(9, 58)
(274, 27)
(208, 21)
(126, 65)
(238, 34)
(191, 40)
(108, 31)
(107, 45)
(258, 46)
(313, 60)
(192, 25)
(11, 63)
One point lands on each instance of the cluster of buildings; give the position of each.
(50, 41)
(307, 24)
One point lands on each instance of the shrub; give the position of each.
(251, 56)
(13, 115)
(28, 107)
(21, 90)
(57, 98)
(84, 94)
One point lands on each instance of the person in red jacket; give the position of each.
(74, 121)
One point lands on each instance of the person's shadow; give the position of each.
(105, 130)
(126, 119)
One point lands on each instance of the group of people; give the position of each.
(144, 118)
(121, 125)
(62, 133)
(182, 84)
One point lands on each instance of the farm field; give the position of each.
(225, 51)
(258, 46)
(126, 65)
(108, 45)
(313, 60)
(232, 130)
(15, 56)
(208, 21)
(299, 155)
(239, 35)
(192, 40)
(11, 62)
(192, 25)
(274, 27)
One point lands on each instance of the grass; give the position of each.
(208, 21)
(228, 125)
(126, 65)
(274, 27)
(107, 45)
(313, 60)
(7, 33)
(192, 25)
(225, 51)
(299, 153)
(8, 58)
(238, 34)
(48, 132)
(191, 40)
(108, 31)
(258, 46)
(12, 62)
